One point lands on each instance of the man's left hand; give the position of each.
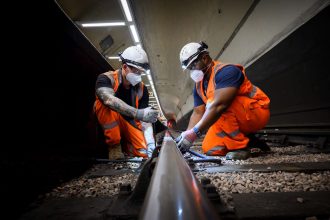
(187, 138)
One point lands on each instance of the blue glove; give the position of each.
(186, 139)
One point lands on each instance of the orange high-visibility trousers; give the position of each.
(118, 130)
(229, 132)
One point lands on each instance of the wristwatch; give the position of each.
(197, 131)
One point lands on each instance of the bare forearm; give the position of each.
(194, 119)
(106, 95)
(211, 115)
(222, 100)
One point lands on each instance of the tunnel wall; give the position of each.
(51, 134)
(295, 76)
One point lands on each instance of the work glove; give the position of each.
(186, 140)
(178, 139)
(151, 148)
(147, 115)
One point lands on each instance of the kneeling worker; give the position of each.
(226, 105)
(121, 107)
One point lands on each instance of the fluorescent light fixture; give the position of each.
(149, 78)
(155, 94)
(103, 24)
(113, 58)
(134, 33)
(157, 100)
(126, 10)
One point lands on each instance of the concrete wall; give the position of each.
(296, 77)
(269, 24)
(52, 95)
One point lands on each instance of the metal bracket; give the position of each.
(320, 143)
(128, 203)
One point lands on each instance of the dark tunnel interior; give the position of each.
(54, 135)
(295, 76)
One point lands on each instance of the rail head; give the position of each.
(174, 192)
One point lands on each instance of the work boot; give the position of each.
(257, 143)
(238, 155)
(115, 152)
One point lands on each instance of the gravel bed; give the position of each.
(226, 183)
(274, 156)
(253, 182)
(96, 187)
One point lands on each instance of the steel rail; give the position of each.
(174, 192)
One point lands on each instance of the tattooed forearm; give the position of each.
(106, 95)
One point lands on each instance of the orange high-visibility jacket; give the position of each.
(116, 79)
(246, 89)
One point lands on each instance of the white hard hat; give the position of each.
(135, 56)
(190, 52)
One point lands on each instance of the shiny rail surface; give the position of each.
(174, 192)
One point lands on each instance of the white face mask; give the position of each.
(197, 75)
(133, 78)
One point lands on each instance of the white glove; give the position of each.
(149, 137)
(186, 140)
(147, 115)
(151, 148)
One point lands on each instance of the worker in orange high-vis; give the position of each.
(121, 107)
(226, 105)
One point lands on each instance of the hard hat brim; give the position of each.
(190, 62)
(192, 59)
(137, 67)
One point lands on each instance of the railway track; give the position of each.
(291, 182)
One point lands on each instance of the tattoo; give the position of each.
(106, 95)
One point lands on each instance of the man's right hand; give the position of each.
(147, 115)
(186, 140)
(178, 139)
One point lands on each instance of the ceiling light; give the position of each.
(113, 58)
(126, 10)
(134, 33)
(104, 24)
